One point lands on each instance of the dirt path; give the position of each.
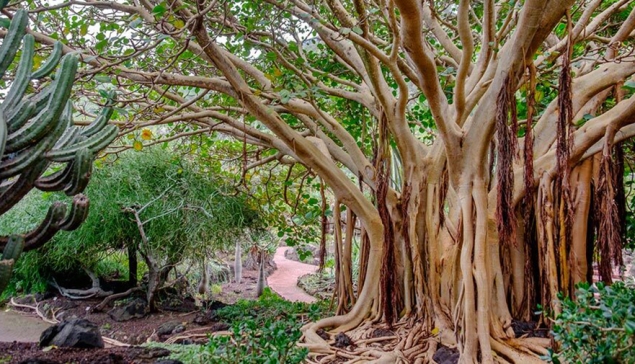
(284, 280)
(15, 326)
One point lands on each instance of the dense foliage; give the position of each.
(262, 331)
(188, 215)
(598, 327)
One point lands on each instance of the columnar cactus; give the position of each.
(37, 130)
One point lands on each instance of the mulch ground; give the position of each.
(134, 332)
(30, 353)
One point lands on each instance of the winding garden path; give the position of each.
(284, 280)
(15, 326)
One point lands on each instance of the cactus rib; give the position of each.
(49, 65)
(17, 120)
(82, 169)
(47, 228)
(55, 181)
(21, 186)
(77, 215)
(95, 143)
(21, 80)
(57, 105)
(12, 40)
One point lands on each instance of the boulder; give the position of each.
(136, 308)
(74, 333)
(167, 328)
(445, 355)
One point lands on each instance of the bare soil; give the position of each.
(25, 353)
(133, 332)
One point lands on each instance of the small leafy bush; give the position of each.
(598, 327)
(263, 331)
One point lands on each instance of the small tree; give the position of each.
(158, 205)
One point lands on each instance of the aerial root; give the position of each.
(405, 342)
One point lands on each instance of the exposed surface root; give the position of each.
(404, 343)
(412, 342)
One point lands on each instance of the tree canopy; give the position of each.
(466, 137)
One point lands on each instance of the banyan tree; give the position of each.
(477, 142)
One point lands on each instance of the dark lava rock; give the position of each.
(202, 319)
(168, 361)
(136, 308)
(445, 355)
(153, 353)
(167, 328)
(219, 326)
(213, 305)
(528, 328)
(178, 329)
(75, 333)
(342, 340)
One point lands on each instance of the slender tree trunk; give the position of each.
(132, 264)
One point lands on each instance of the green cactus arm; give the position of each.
(4, 186)
(78, 213)
(55, 181)
(47, 228)
(57, 107)
(25, 110)
(99, 123)
(15, 164)
(21, 186)
(49, 65)
(32, 132)
(41, 99)
(4, 131)
(95, 143)
(82, 169)
(12, 40)
(71, 136)
(13, 248)
(22, 74)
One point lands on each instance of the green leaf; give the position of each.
(158, 10)
(103, 79)
(4, 23)
(271, 56)
(358, 30)
(345, 31)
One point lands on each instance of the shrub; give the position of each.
(263, 331)
(598, 327)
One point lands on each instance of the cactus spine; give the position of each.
(35, 131)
